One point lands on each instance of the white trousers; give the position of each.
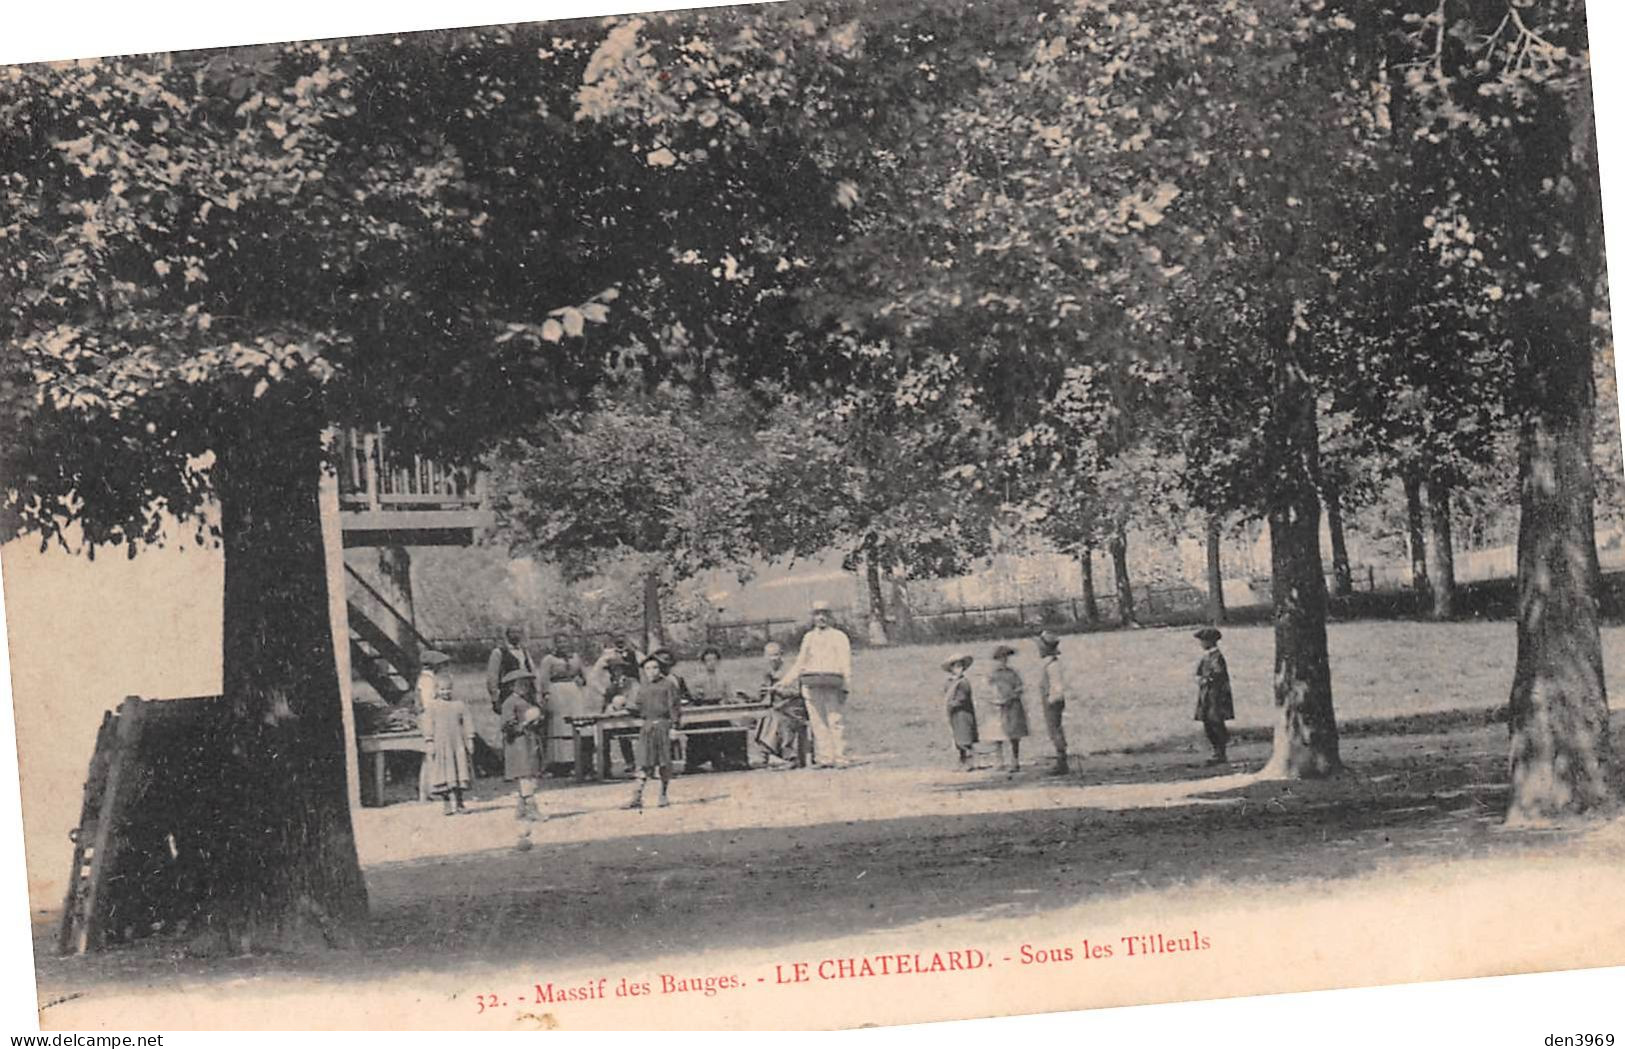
(826, 718)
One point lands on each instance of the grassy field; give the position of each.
(1137, 689)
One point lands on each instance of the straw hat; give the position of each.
(1208, 633)
(432, 658)
(958, 659)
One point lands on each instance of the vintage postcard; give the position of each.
(812, 515)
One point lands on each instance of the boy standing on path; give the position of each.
(522, 727)
(1214, 705)
(1052, 692)
(656, 701)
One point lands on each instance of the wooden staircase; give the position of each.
(382, 666)
(385, 647)
(391, 500)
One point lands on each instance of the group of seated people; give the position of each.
(571, 690)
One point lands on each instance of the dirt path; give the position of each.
(752, 871)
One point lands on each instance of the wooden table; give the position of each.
(697, 721)
(380, 744)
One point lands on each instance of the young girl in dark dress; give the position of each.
(961, 709)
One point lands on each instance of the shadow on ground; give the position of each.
(1408, 799)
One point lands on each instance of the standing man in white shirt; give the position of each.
(824, 668)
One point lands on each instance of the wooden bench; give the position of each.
(383, 743)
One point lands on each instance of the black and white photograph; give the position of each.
(813, 515)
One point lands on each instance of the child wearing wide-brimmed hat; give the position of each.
(1214, 705)
(522, 728)
(1009, 706)
(961, 708)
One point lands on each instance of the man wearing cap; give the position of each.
(507, 657)
(1053, 689)
(823, 665)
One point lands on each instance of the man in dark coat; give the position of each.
(507, 657)
(1214, 705)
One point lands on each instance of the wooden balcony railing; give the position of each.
(370, 478)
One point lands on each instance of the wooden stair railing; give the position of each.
(384, 644)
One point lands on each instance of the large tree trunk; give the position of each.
(1086, 565)
(1559, 702)
(1415, 532)
(1342, 573)
(1441, 552)
(1215, 573)
(280, 858)
(1306, 743)
(654, 625)
(1560, 755)
(1118, 545)
(877, 602)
